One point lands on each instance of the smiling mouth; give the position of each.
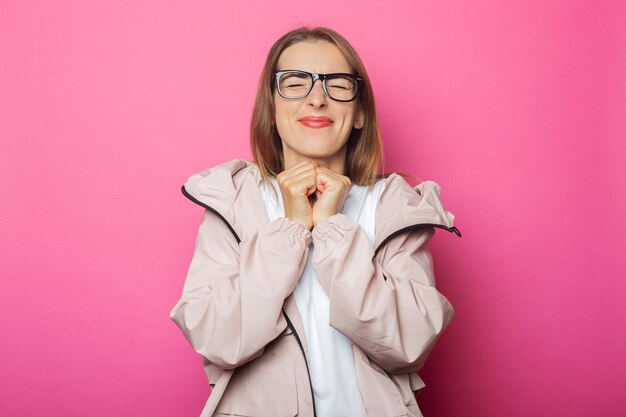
(316, 122)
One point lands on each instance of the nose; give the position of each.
(317, 97)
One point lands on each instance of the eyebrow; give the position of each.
(314, 72)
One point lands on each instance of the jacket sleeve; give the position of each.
(386, 304)
(233, 294)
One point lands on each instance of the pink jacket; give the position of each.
(237, 309)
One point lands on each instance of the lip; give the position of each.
(316, 122)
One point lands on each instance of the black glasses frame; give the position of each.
(314, 77)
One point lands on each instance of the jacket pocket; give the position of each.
(416, 382)
(381, 395)
(265, 386)
(408, 385)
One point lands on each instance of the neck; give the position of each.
(336, 163)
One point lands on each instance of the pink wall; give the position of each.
(515, 108)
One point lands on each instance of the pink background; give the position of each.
(517, 109)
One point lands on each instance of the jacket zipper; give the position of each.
(306, 363)
(289, 323)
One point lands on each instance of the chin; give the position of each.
(314, 146)
(316, 155)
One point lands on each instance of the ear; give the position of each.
(359, 121)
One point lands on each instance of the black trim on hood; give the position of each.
(195, 200)
(416, 226)
(387, 239)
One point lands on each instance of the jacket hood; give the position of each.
(231, 190)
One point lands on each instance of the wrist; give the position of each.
(321, 217)
(307, 223)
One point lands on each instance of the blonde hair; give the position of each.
(364, 153)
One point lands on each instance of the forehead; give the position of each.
(316, 56)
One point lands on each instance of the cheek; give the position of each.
(280, 116)
(349, 118)
(282, 111)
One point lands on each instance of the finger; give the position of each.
(328, 172)
(334, 176)
(302, 184)
(326, 177)
(307, 185)
(304, 166)
(288, 178)
(300, 175)
(304, 163)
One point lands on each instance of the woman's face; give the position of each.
(321, 142)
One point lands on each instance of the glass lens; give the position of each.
(294, 84)
(341, 87)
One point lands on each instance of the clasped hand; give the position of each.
(311, 193)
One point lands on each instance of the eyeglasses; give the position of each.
(293, 84)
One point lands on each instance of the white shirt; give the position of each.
(330, 354)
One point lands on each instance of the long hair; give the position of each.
(364, 153)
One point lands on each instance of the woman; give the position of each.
(311, 288)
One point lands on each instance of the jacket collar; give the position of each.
(232, 190)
